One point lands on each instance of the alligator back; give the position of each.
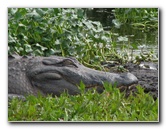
(18, 82)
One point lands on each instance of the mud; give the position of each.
(147, 76)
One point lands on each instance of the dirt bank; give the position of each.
(147, 74)
(147, 77)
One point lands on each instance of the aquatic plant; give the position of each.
(141, 18)
(58, 31)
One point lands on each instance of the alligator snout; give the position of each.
(123, 79)
(127, 79)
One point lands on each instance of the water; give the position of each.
(145, 41)
(125, 33)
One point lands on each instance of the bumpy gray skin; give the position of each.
(54, 75)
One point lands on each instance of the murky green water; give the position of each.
(145, 41)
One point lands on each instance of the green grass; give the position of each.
(111, 105)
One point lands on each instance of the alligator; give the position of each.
(30, 75)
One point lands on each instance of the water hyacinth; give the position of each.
(55, 31)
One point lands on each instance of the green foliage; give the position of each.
(67, 32)
(111, 105)
(141, 18)
(47, 31)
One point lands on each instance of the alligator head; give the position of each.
(53, 75)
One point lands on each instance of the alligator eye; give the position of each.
(68, 63)
(49, 61)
